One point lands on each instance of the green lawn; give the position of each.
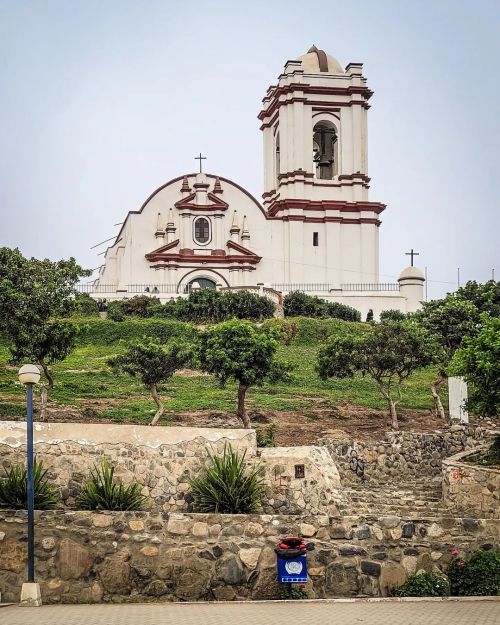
(85, 376)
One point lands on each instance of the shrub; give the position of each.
(285, 330)
(207, 305)
(102, 492)
(141, 306)
(115, 311)
(477, 576)
(84, 306)
(266, 437)
(427, 584)
(392, 315)
(14, 488)
(342, 311)
(227, 487)
(108, 332)
(299, 304)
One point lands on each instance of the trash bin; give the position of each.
(291, 555)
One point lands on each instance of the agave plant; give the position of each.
(227, 486)
(14, 488)
(102, 492)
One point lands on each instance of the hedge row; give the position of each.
(298, 331)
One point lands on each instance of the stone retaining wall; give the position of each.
(471, 489)
(139, 556)
(402, 455)
(161, 459)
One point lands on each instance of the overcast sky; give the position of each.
(103, 101)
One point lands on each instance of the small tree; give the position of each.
(33, 293)
(53, 343)
(478, 360)
(236, 350)
(450, 320)
(485, 297)
(390, 353)
(153, 364)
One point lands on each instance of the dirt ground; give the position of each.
(293, 428)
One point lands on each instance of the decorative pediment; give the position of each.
(189, 202)
(172, 254)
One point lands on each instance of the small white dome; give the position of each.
(318, 61)
(411, 272)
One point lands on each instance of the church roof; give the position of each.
(316, 60)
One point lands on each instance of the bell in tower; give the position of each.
(324, 147)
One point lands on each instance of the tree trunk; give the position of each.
(45, 390)
(242, 413)
(392, 407)
(161, 408)
(394, 414)
(438, 404)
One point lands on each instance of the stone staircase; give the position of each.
(405, 499)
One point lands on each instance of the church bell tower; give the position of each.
(314, 124)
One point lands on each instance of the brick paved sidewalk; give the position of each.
(472, 612)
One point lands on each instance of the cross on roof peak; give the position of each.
(412, 254)
(200, 158)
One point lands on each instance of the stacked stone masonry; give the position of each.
(471, 489)
(164, 459)
(141, 556)
(403, 456)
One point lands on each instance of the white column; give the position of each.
(457, 397)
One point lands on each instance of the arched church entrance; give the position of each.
(199, 283)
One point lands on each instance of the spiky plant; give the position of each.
(102, 492)
(227, 486)
(14, 488)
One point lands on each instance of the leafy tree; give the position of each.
(369, 316)
(54, 342)
(485, 297)
(450, 320)
(389, 353)
(33, 294)
(153, 363)
(478, 360)
(236, 350)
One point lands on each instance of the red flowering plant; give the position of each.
(479, 574)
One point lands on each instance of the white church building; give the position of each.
(316, 229)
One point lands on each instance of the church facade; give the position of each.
(316, 229)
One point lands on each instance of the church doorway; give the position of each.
(199, 283)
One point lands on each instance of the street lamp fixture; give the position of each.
(30, 592)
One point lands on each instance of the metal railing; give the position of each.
(312, 286)
(129, 288)
(366, 286)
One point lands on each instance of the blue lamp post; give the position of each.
(30, 594)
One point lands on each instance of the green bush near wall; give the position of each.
(96, 331)
(307, 330)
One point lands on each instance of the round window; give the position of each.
(202, 230)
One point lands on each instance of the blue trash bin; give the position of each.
(292, 571)
(292, 560)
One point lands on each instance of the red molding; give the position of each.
(324, 205)
(187, 202)
(295, 173)
(327, 219)
(309, 89)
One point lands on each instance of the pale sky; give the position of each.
(102, 101)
